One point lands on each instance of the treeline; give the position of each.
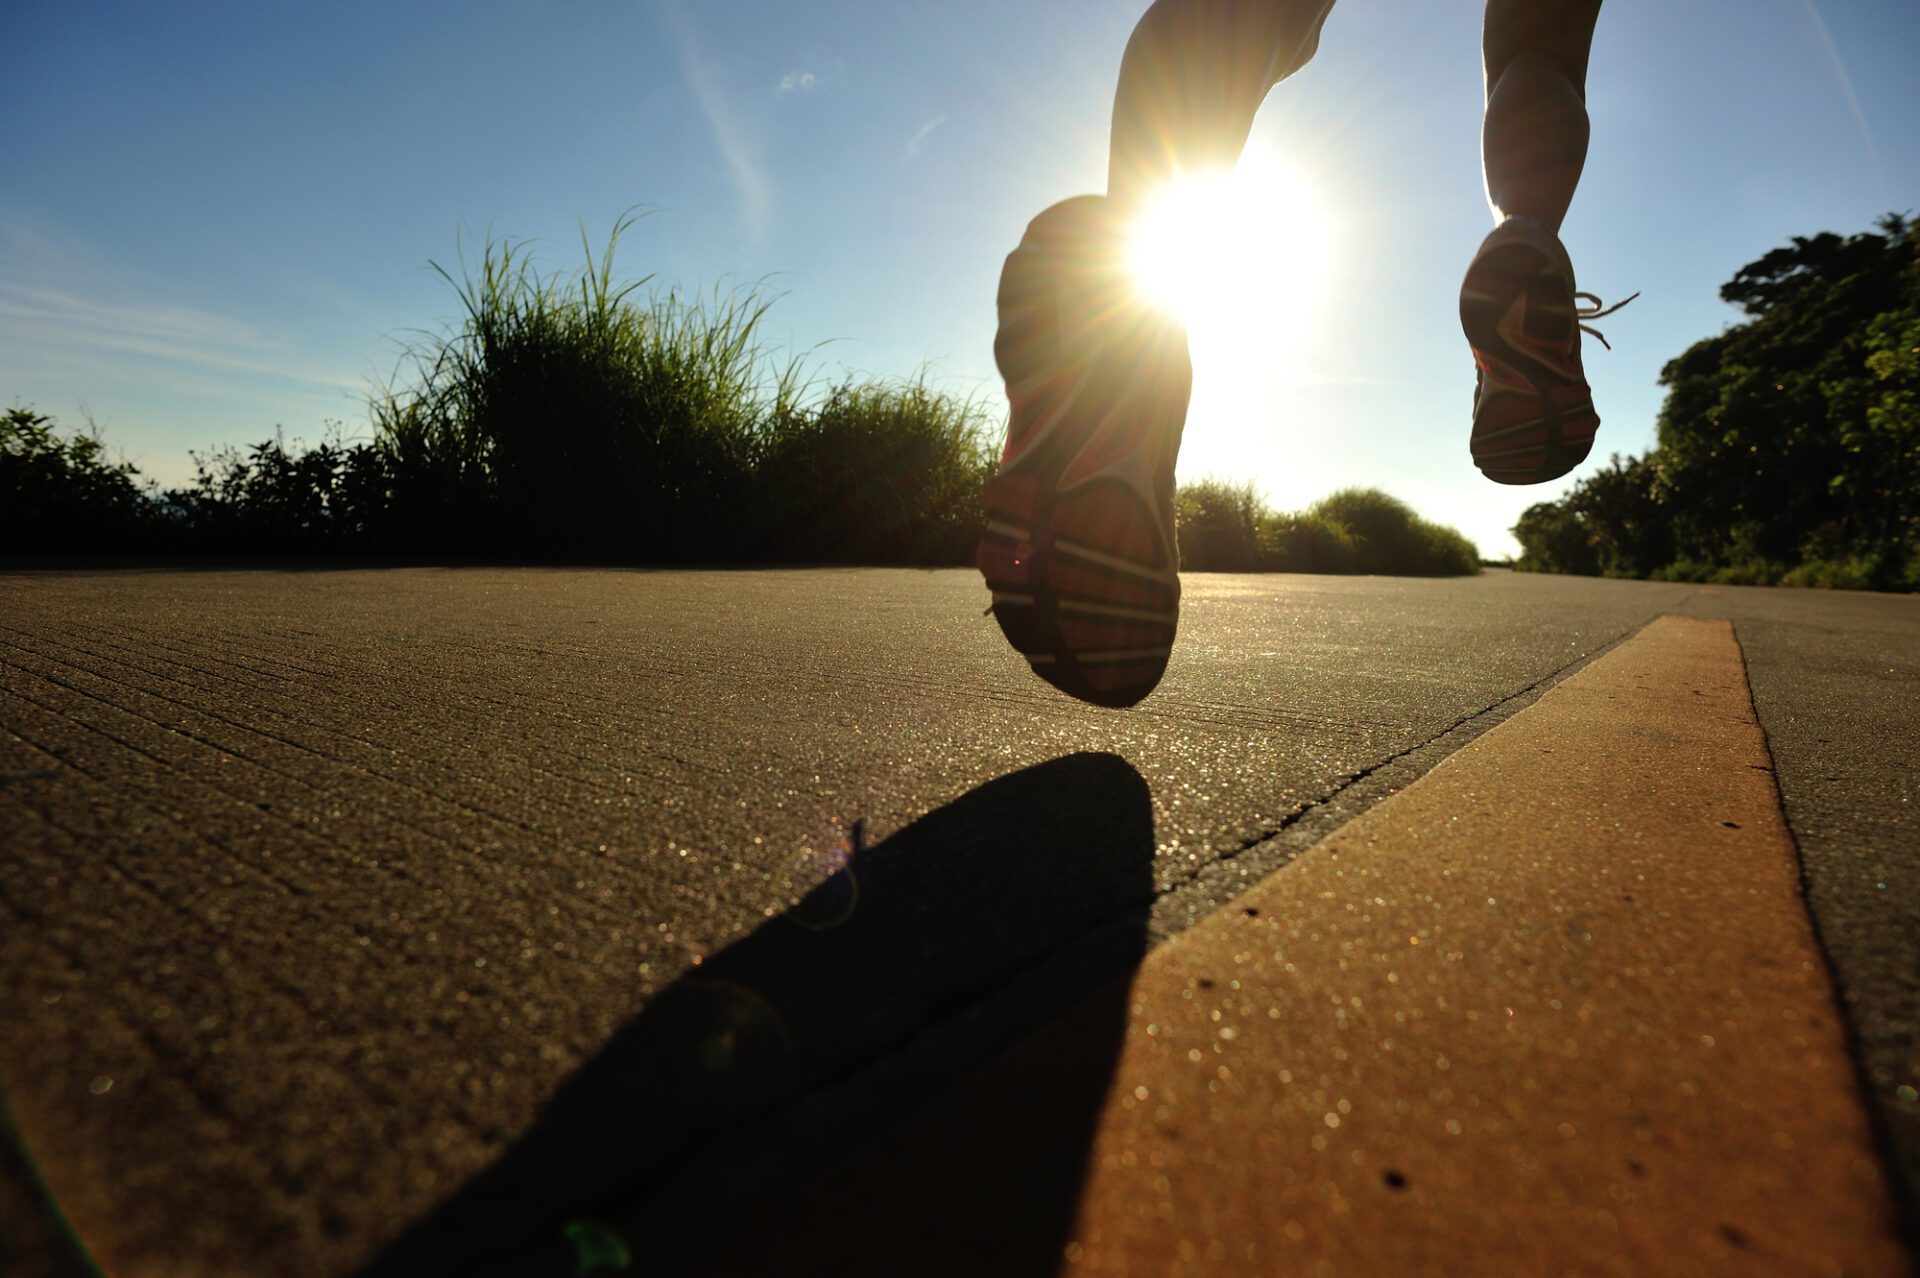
(61, 494)
(567, 417)
(1788, 448)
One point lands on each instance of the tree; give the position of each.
(1790, 441)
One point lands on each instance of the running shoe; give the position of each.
(1533, 414)
(1079, 550)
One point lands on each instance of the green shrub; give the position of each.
(62, 494)
(1389, 539)
(1678, 570)
(1746, 572)
(875, 473)
(1449, 553)
(1219, 527)
(1858, 573)
(273, 498)
(1309, 543)
(1225, 527)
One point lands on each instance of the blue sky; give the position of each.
(216, 218)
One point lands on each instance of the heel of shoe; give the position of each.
(1553, 429)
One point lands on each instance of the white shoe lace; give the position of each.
(1597, 310)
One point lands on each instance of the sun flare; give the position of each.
(1247, 260)
(1237, 254)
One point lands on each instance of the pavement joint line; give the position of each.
(724, 1176)
(1885, 1146)
(319, 727)
(1713, 933)
(159, 763)
(1260, 854)
(1633, 913)
(266, 766)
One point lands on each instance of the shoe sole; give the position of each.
(1539, 449)
(1085, 579)
(1080, 587)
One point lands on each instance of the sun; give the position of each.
(1247, 259)
(1241, 256)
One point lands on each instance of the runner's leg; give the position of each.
(1534, 142)
(1080, 551)
(1520, 307)
(1194, 75)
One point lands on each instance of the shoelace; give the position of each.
(1599, 310)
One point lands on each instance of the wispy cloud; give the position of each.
(918, 143)
(798, 82)
(34, 315)
(1845, 82)
(740, 156)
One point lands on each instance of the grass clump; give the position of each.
(1225, 527)
(573, 417)
(877, 472)
(564, 416)
(1220, 526)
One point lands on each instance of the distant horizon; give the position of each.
(219, 221)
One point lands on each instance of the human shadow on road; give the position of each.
(913, 962)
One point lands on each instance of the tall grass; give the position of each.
(1219, 526)
(876, 472)
(576, 416)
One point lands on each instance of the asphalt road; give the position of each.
(318, 887)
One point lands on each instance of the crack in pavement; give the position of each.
(970, 1026)
(1887, 1147)
(1260, 853)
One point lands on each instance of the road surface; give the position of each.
(319, 887)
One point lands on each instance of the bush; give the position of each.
(1310, 543)
(1391, 540)
(1225, 527)
(1858, 573)
(63, 495)
(1219, 527)
(278, 499)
